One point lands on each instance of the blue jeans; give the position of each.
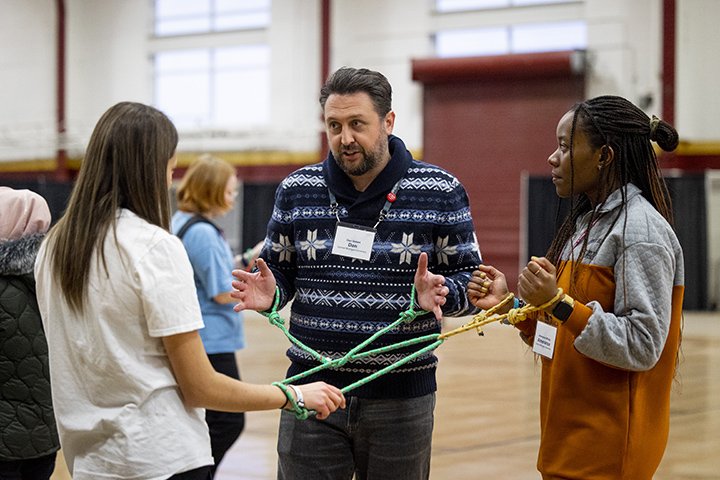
(371, 439)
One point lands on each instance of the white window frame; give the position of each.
(461, 32)
(247, 110)
(189, 17)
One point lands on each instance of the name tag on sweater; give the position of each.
(544, 343)
(354, 241)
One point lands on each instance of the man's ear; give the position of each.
(389, 122)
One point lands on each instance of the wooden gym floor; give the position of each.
(486, 419)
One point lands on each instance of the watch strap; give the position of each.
(564, 308)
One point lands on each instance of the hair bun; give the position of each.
(663, 134)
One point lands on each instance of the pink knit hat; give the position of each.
(22, 213)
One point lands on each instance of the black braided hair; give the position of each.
(616, 122)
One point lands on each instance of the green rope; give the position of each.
(514, 315)
(395, 365)
(300, 412)
(356, 352)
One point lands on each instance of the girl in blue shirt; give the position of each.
(208, 191)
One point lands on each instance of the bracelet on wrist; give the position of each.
(298, 396)
(296, 401)
(285, 391)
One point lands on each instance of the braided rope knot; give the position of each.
(340, 361)
(303, 413)
(516, 315)
(275, 319)
(408, 315)
(432, 341)
(513, 316)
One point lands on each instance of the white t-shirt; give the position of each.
(118, 406)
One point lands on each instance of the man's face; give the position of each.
(357, 135)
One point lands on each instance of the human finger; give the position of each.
(241, 275)
(422, 266)
(263, 267)
(478, 275)
(545, 264)
(491, 272)
(533, 268)
(478, 287)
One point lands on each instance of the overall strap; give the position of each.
(197, 218)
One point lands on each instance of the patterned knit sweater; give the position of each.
(339, 301)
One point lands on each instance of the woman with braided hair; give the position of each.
(612, 289)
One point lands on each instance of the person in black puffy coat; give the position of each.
(28, 434)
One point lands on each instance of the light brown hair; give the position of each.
(202, 188)
(125, 166)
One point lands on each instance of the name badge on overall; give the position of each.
(544, 343)
(354, 241)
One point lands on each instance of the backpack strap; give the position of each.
(197, 218)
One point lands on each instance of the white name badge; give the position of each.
(544, 343)
(354, 241)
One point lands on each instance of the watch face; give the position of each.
(562, 311)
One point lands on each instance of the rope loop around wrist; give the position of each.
(558, 295)
(301, 413)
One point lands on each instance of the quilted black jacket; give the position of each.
(27, 423)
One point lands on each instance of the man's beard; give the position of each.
(370, 159)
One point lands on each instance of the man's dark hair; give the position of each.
(348, 80)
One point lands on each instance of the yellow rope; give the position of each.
(513, 316)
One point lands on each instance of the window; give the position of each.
(216, 88)
(465, 43)
(548, 37)
(464, 5)
(211, 72)
(183, 17)
(537, 37)
(521, 26)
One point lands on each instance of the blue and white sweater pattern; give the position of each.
(339, 301)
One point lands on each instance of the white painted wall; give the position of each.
(295, 43)
(386, 36)
(697, 100)
(109, 59)
(625, 49)
(27, 79)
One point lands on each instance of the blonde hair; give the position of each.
(202, 188)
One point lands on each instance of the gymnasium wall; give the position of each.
(109, 59)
